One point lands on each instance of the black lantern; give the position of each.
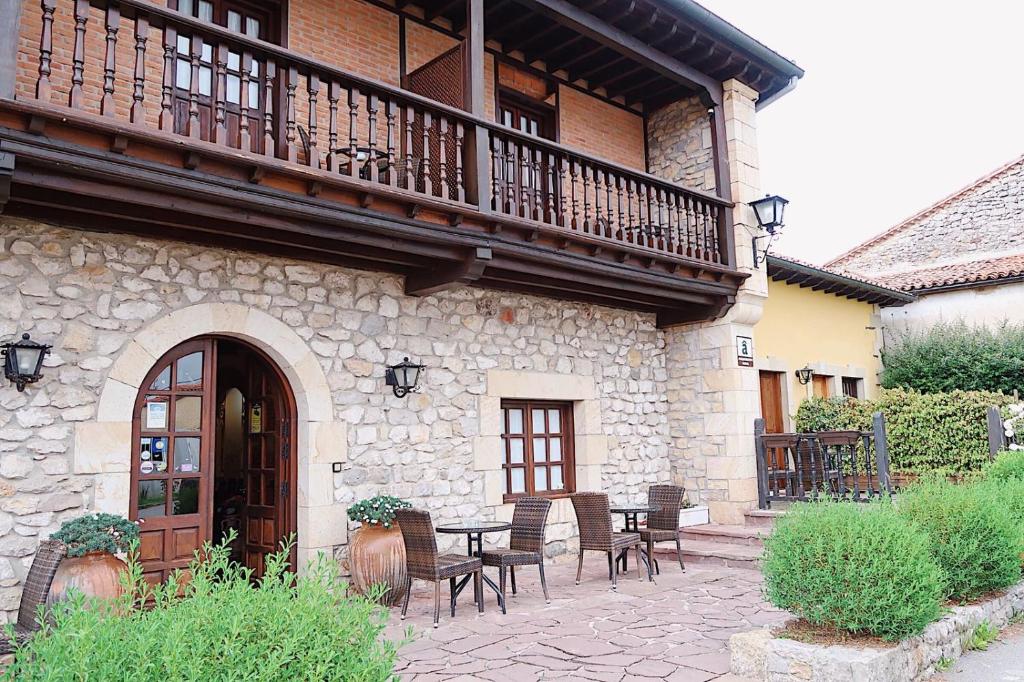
(804, 374)
(403, 378)
(769, 212)
(23, 360)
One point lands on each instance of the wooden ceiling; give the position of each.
(542, 41)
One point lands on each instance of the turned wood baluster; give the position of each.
(587, 225)
(138, 111)
(372, 107)
(269, 73)
(598, 224)
(621, 215)
(698, 233)
(220, 128)
(460, 181)
(195, 54)
(709, 244)
(78, 58)
(512, 170)
(245, 77)
(291, 84)
(410, 170)
(560, 160)
(525, 181)
(428, 181)
(550, 190)
(45, 50)
(333, 96)
(353, 132)
(497, 176)
(167, 84)
(538, 184)
(391, 114)
(631, 228)
(643, 221)
(313, 92)
(573, 173)
(714, 215)
(609, 226)
(691, 229)
(109, 66)
(680, 224)
(442, 160)
(663, 232)
(669, 231)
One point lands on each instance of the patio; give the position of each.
(676, 628)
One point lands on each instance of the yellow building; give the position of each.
(823, 323)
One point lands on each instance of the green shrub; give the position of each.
(857, 568)
(956, 356)
(223, 627)
(1008, 465)
(982, 636)
(377, 510)
(928, 432)
(972, 532)
(97, 533)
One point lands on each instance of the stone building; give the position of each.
(963, 257)
(228, 241)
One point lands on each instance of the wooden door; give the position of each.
(245, 94)
(771, 402)
(266, 514)
(171, 458)
(821, 386)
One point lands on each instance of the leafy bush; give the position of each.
(224, 626)
(973, 534)
(377, 510)
(857, 568)
(97, 533)
(1008, 465)
(928, 432)
(956, 356)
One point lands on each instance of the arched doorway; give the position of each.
(213, 448)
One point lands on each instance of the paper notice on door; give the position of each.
(156, 416)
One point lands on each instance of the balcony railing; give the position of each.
(161, 70)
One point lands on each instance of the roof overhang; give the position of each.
(791, 272)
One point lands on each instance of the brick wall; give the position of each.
(601, 129)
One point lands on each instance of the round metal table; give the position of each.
(474, 530)
(632, 513)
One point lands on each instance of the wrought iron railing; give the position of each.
(851, 465)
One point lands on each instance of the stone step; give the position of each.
(724, 534)
(711, 553)
(761, 518)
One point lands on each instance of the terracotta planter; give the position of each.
(377, 555)
(97, 574)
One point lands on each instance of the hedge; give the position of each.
(956, 356)
(945, 433)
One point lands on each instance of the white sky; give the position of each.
(903, 102)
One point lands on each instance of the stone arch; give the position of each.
(103, 446)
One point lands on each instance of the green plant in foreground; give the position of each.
(220, 624)
(1008, 465)
(853, 567)
(944, 664)
(983, 635)
(97, 533)
(379, 510)
(973, 534)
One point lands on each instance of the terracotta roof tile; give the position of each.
(985, 270)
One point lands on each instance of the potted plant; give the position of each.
(91, 566)
(376, 553)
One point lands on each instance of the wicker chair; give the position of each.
(595, 523)
(423, 562)
(663, 525)
(37, 587)
(526, 546)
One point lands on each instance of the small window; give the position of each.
(822, 387)
(851, 387)
(538, 447)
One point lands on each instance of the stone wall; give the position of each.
(982, 221)
(104, 301)
(679, 144)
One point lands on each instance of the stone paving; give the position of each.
(676, 628)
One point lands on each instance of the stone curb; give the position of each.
(760, 656)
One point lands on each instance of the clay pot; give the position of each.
(96, 574)
(377, 555)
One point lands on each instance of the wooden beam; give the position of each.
(615, 39)
(6, 173)
(440, 9)
(723, 185)
(477, 172)
(669, 318)
(446, 277)
(10, 19)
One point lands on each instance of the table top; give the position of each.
(474, 526)
(634, 508)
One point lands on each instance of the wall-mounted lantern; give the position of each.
(403, 378)
(23, 360)
(769, 212)
(804, 375)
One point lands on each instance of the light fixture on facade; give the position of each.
(769, 212)
(23, 360)
(804, 374)
(404, 377)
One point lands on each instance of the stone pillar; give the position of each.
(713, 400)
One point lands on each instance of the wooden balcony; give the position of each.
(223, 139)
